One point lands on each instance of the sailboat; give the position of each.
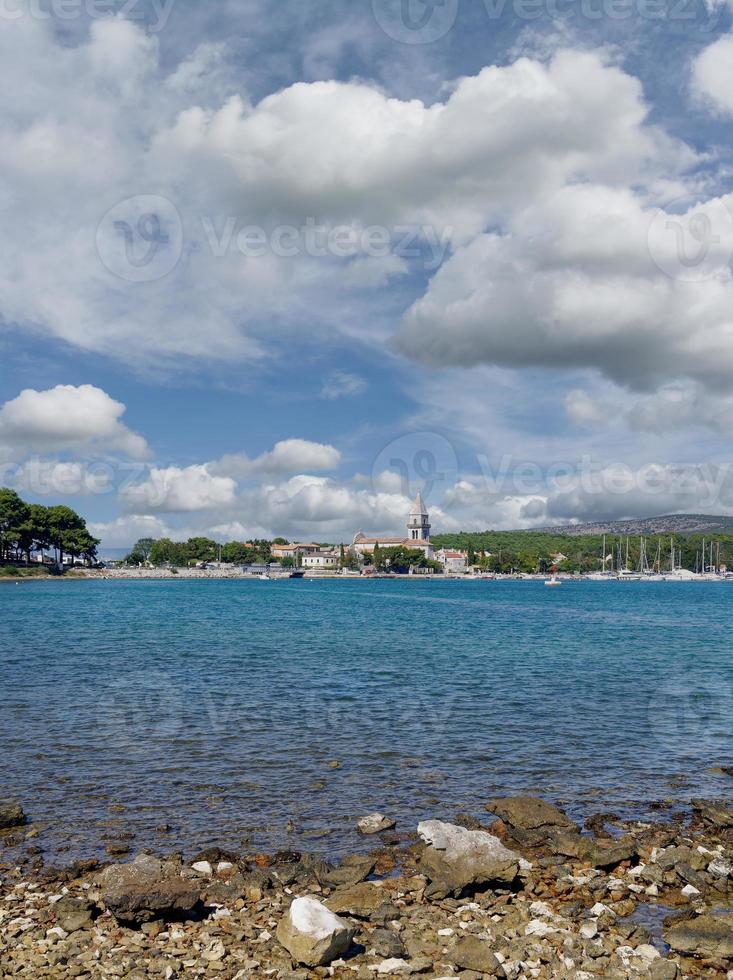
(653, 574)
(603, 575)
(625, 574)
(676, 572)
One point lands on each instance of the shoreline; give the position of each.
(539, 897)
(187, 575)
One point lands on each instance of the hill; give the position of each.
(681, 524)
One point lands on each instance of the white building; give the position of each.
(453, 562)
(323, 559)
(418, 534)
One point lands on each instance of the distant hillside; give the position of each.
(669, 524)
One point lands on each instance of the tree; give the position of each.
(377, 556)
(235, 553)
(62, 522)
(14, 512)
(35, 532)
(140, 554)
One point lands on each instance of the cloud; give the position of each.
(174, 490)
(675, 406)
(124, 531)
(66, 418)
(287, 456)
(712, 75)
(589, 278)
(141, 262)
(342, 384)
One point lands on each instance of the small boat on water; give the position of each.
(553, 581)
(264, 577)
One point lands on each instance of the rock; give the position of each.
(705, 935)
(603, 855)
(358, 900)
(203, 868)
(73, 914)
(11, 814)
(312, 934)
(456, 858)
(529, 819)
(351, 871)
(717, 814)
(689, 891)
(663, 970)
(145, 890)
(386, 943)
(720, 867)
(375, 823)
(472, 953)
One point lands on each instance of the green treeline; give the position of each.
(28, 529)
(181, 554)
(533, 551)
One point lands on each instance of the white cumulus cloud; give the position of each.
(79, 418)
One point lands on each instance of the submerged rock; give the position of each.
(375, 823)
(456, 858)
(351, 871)
(704, 935)
(717, 814)
(312, 934)
(11, 814)
(146, 890)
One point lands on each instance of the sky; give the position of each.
(272, 269)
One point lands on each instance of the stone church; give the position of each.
(418, 534)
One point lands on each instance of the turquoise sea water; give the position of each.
(216, 707)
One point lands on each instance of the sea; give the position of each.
(178, 715)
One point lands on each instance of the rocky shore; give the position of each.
(524, 893)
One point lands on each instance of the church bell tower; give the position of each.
(418, 524)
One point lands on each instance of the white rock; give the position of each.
(445, 932)
(224, 866)
(312, 934)
(214, 952)
(652, 890)
(589, 930)
(599, 908)
(720, 867)
(457, 858)
(56, 933)
(375, 823)
(648, 952)
(203, 868)
(394, 966)
(541, 909)
(690, 891)
(538, 928)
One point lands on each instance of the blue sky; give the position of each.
(271, 269)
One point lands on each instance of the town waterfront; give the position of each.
(272, 714)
